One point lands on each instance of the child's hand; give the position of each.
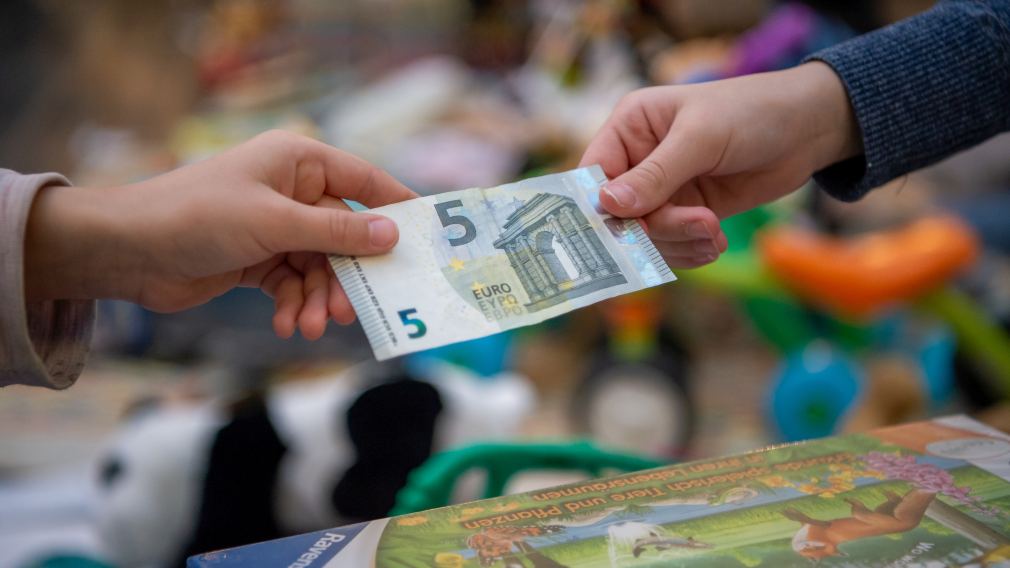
(684, 157)
(261, 214)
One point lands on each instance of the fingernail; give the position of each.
(706, 246)
(705, 258)
(381, 232)
(697, 230)
(621, 193)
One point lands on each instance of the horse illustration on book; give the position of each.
(556, 252)
(819, 539)
(495, 543)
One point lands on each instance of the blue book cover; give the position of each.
(302, 551)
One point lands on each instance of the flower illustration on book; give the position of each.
(927, 477)
(841, 478)
(776, 481)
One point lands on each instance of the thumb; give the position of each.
(651, 183)
(330, 230)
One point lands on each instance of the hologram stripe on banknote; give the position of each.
(475, 262)
(362, 297)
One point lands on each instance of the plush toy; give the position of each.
(182, 479)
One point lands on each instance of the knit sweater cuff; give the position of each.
(922, 89)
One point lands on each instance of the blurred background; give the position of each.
(199, 430)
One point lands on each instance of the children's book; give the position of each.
(927, 494)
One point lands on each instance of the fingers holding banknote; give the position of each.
(726, 146)
(305, 291)
(687, 237)
(262, 214)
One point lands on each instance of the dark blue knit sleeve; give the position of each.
(922, 89)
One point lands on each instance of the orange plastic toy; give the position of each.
(860, 276)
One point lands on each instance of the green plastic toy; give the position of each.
(431, 485)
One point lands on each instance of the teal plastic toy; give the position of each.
(431, 485)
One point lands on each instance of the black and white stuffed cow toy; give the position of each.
(183, 479)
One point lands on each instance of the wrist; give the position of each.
(72, 250)
(825, 110)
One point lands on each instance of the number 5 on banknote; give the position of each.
(478, 261)
(419, 328)
(470, 232)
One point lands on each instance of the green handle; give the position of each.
(431, 485)
(980, 337)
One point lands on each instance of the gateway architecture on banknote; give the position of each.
(543, 236)
(477, 261)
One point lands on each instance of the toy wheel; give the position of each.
(640, 407)
(812, 391)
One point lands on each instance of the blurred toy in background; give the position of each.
(180, 479)
(982, 199)
(449, 133)
(868, 326)
(506, 465)
(899, 388)
(860, 276)
(868, 276)
(781, 39)
(579, 65)
(824, 388)
(688, 19)
(232, 31)
(635, 395)
(495, 35)
(813, 389)
(255, 54)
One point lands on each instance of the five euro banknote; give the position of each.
(475, 262)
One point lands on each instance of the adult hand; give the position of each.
(261, 214)
(683, 157)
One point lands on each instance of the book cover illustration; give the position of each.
(928, 494)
